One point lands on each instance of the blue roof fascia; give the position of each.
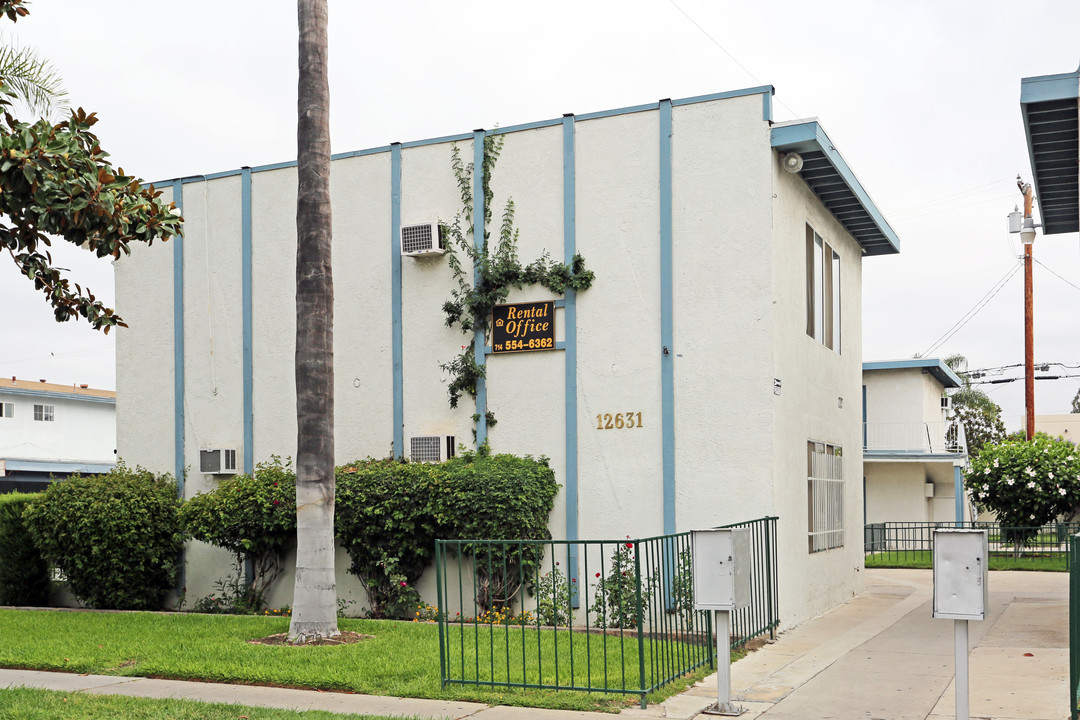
(766, 90)
(1035, 91)
(1047, 88)
(809, 136)
(54, 395)
(935, 366)
(57, 466)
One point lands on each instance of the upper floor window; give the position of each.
(43, 412)
(822, 291)
(7, 410)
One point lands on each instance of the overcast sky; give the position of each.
(920, 96)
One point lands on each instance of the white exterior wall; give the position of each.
(895, 493)
(902, 395)
(813, 380)
(81, 430)
(144, 354)
(739, 321)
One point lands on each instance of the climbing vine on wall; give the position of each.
(497, 270)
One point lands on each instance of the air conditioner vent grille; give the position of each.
(422, 239)
(431, 448)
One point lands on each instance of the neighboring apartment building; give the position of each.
(912, 463)
(53, 430)
(725, 318)
(1064, 426)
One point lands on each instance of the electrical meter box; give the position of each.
(721, 559)
(960, 574)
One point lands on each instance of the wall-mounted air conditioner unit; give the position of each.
(431, 448)
(423, 239)
(946, 402)
(218, 461)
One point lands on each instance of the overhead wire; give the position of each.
(726, 52)
(967, 317)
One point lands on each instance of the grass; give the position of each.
(998, 561)
(28, 704)
(402, 659)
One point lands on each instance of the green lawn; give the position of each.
(401, 659)
(27, 704)
(998, 561)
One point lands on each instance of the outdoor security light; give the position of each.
(793, 162)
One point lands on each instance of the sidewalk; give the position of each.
(879, 656)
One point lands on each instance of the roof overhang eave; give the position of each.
(1041, 93)
(807, 136)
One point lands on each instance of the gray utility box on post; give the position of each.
(960, 574)
(721, 568)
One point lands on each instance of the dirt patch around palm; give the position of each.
(345, 638)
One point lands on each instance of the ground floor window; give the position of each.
(825, 496)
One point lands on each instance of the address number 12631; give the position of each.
(619, 421)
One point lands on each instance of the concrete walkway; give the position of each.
(880, 656)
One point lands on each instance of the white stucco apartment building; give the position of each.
(912, 463)
(725, 316)
(50, 429)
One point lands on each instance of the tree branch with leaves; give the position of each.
(57, 182)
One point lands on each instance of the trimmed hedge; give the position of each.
(252, 516)
(24, 574)
(389, 514)
(116, 537)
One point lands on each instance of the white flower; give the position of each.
(986, 471)
(986, 486)
(1032, 516)
(1061, 491)
(995, 462)
(1029, 471)
(1008, 481)
(1031, 483)
(1070, 458)
(1050, 475)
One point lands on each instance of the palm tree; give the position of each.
(31, 82)
(315, 594)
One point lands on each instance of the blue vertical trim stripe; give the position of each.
(245, 272)
(667, 325)
(570, 343)
(395, 298)
(958, 484)
(478, 241)
(178, 345)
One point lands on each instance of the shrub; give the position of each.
(383, 518)
(116, 537)
(1027, 484)
(253, 517)
(497, 497)
(616, 600)
(24, 574)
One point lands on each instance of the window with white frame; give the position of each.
(825, 496)
(822, 291)
(43, 413)
(7, 410)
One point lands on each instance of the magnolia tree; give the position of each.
(1027, 483)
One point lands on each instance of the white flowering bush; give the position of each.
(1027, 484)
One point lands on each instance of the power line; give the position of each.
(967, 317)
(725, 51)
(1067, 282)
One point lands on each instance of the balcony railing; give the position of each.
(914, 437)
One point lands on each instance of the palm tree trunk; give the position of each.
(315, 594)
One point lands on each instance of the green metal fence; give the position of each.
(611, 616)
(1074, 627)
(914, 541)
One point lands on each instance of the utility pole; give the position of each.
(1027, 237)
